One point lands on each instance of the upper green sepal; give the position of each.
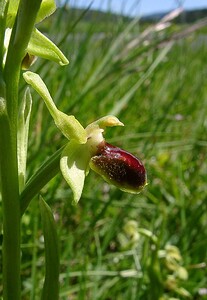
(68, 125)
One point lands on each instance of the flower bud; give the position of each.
(119, 167)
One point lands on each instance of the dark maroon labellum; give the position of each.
(119, 168)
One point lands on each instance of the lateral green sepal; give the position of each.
(74, 167)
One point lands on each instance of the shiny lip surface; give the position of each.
(119, 167)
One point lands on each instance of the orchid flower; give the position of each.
(87, 149)
(39, 44)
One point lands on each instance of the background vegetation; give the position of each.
(115, 245)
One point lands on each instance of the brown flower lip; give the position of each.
(119, 167)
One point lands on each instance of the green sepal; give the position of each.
(68, 125)
(51, 283)
(40, 45)
(74, 167)
(22, 136)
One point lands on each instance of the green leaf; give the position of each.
(68, 125)
(40, 45)
(47, 8)
(22, 136)
(51, 283)
(40, 178)
(74, 167)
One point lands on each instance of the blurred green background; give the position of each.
(115, 245)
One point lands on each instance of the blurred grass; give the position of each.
(158, 89)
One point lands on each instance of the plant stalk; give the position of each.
(21, 33)
(11, 213)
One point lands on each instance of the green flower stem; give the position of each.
(8, 151)
(45, 173)
(11, 211)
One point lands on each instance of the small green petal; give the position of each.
(107, 121)
(74, 167)
(40, 45)
(47, 8)
(68, 125)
